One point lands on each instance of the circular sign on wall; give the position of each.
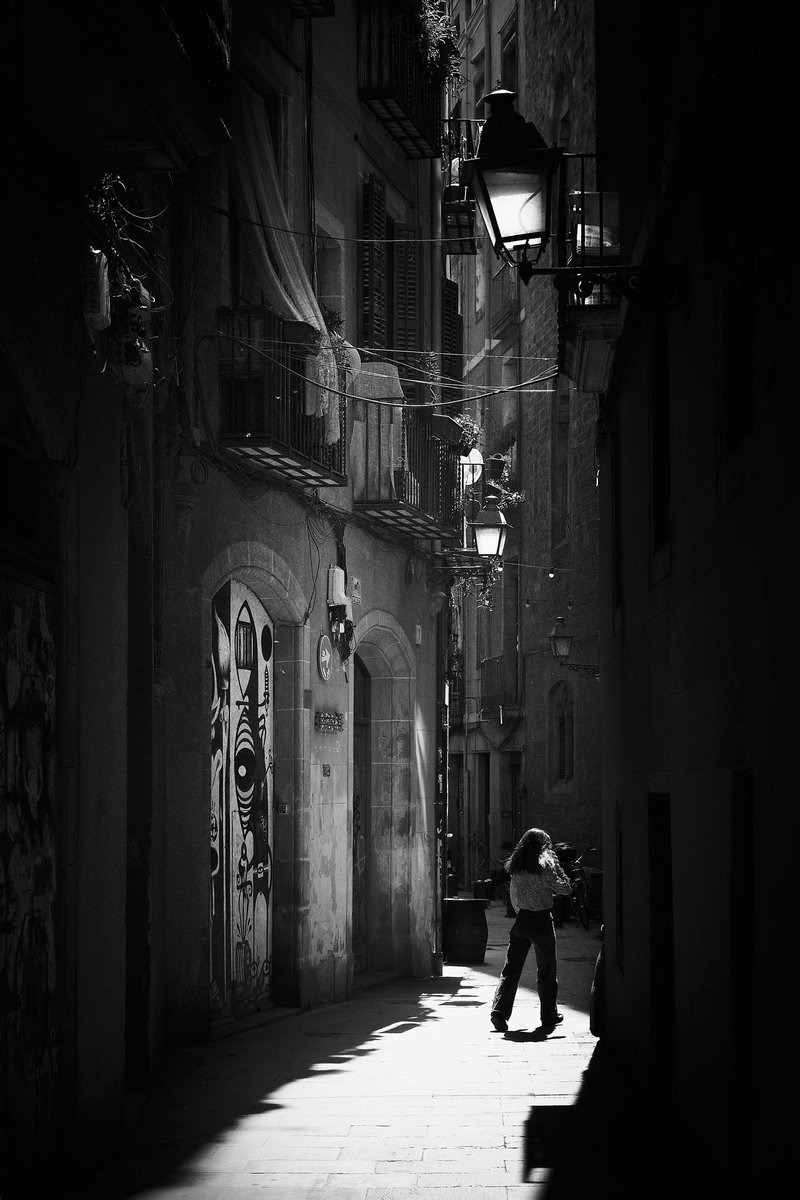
(325, 657)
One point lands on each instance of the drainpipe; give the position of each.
(436, 262)
(488, 83)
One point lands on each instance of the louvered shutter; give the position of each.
(406, 289)
(452, 338)
(373, 290)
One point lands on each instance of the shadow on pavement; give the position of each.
(614, 1141)
(204, 1091)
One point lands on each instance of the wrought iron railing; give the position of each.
(458, 204)
(457, 701)
(263, 382)
(589, 233)
(401, 473)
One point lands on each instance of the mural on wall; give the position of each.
(241, 807)
(28, 1058)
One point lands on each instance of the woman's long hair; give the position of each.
(533, 852)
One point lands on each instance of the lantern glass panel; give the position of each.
(519, 200)
(562, 646)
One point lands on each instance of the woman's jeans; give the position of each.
(530, 929)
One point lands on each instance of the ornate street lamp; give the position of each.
(561, 646)
(561, 642)
(511, 180)
(490, 528)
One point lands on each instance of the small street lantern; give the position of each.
(511, 180)
(561, 645)
(490, 529)
(561, 642)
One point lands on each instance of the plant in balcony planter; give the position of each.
(440, 42)
(471, 433)
(333, 323)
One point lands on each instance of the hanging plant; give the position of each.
(471, 433)
(333, 323)
(440, 42)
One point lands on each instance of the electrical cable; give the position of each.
(393, 403)
(419, 241)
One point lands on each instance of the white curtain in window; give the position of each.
(266, 226)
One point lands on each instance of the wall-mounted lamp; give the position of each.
(561, 645)
(490, 528)
(511, 180)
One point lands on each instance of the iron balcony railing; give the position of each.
(402, 475)
(394, 80)
(458, 204)
(589, 231)
(263, 379)
(457, 702)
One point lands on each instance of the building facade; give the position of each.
(674, 291)
(525, 738)
(221, 707)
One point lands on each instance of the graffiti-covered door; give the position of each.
(241, 804)
(28, 1028)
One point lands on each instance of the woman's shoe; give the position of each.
(499, 1022)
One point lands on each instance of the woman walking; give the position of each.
(536, 876)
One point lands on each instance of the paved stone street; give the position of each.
(404, 1093)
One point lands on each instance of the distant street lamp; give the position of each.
(561, 646)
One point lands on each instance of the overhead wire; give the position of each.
(543, 376)
(312, 236)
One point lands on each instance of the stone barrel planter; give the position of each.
(465, 931)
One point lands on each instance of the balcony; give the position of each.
(263, 373)
(404, 477)
(395, 82)
(458, 222)
(499, 684)
(458, 204)
(457, 702)
(589, 311)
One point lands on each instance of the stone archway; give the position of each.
(386, 656)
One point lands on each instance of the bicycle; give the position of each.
(579, 896)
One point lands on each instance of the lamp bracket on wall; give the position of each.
(590, 669)
(659, 286)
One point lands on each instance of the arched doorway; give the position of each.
(361, 812)
(241, 809)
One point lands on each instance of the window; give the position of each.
(562, 736)
(391, 278)
(329, 272)
(508, 54)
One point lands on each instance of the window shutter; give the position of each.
(373, 290)
(452, 338)
(406, 288)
